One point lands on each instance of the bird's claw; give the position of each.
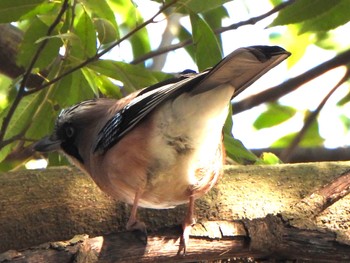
(139, 228)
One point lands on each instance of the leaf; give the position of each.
(70, 90)
(237, 152)
(106, 31)
(274, 115)
(133, 77)
(198, 6)
(12, 10)
(303, 10)
(207, 48)
(85, 30)
(108, 88)
(335, 17)
(291, 41)
(101, 10)
(312, 138)
(104, 20)
(41, 126)
(269, 158)
(23, 116)
(36, 31)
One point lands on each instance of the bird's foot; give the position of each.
(139, 228)
(184, 240)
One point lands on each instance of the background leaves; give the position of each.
(80, 56)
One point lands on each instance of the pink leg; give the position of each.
(133, 223)
(186, 226)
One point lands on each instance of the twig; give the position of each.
(274, 93)
(21, 91)
(286, 154)
(100, 54)
(250, 21)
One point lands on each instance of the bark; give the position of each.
(295, 212)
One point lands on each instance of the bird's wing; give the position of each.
(240, 69)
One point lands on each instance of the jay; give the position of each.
(161, 146)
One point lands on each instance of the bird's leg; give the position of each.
(186, 226)
(133, 223)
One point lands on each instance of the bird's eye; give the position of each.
(69, 131)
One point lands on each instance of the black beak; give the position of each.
(47, 144)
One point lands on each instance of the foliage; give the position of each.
(66, 43)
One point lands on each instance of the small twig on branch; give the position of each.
(285, 155)
(292, 84)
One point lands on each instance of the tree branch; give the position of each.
(54, 204)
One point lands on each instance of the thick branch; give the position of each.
(55, 204)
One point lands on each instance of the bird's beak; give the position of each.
(47, 144)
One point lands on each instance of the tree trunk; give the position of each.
(295, 212)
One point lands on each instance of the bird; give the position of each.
(160, 146)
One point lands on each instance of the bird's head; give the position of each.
(75, 129)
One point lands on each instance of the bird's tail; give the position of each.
(242, 67)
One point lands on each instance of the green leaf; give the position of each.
(269, 158)
(106, 31)
(101, 9)
(312, 138)
(12, 10)
(23, 116)
(336, 16)
(41, 126)
(85, 30)
(184, 34)
(303, 10)
(274, 115)
(291, 41)
(108, 88)
(237, 152)
(208, 51)
(344, 100)
(104, 19)
(70, 90)
(31, 42)
(133, 77)
(199, 6)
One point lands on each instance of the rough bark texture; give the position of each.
(299, 211)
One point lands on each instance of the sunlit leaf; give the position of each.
(108, 88)
(36, 31)
(12, 10)
(198, 6)
(85, 30)
(23, 116)
(269, 158)
(237, 152)
(336, 16)
(207, 48)
(303, 10)
(274, 115)
(133, 77)
(293, 42)
(106, 31)
(311, 138)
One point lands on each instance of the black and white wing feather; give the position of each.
(126, 119)
(239, 69)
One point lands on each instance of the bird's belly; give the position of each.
(165, 190)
